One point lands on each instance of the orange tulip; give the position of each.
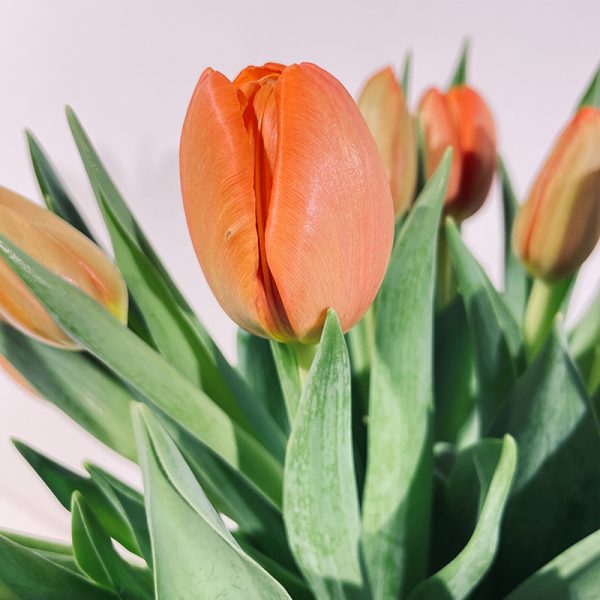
(559, 225)
(286, 198)
(383, 105)
(460, 119)
(64, 251)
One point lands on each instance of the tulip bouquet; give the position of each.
(395, 426)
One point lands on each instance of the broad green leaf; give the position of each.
(56, 197)
(207, 562)
(57, 552)
(97, 558)
(294, 585)
(555, 500)
(63, 482)
(77, 384)
(27, 575)
(460, 72)
(176, 332)
(584, 341)
(145, 370)
(495, 335)
(397, 493)
(573, 574)
(591, 96)
(320, 502)
(486, 470)
(257, 364)
(232, 495)
(454, 393)
(517, 282)
(286, 364)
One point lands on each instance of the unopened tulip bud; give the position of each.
(559, 224)
(460, 119)
(383, 105)
(63, 250)
(286, 198)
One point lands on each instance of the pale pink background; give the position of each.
(129, 68)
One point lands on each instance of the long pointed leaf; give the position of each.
(320, 507)
(492, 463)
(397, 491)
(180, 516)
(144, 369)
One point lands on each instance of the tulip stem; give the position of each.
(545, 300)
(446, 282)
(305, 354)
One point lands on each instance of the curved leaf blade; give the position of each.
(320, 501)
(179, 514)
(397, 492)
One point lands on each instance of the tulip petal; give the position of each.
(330, 224)
(217, 182)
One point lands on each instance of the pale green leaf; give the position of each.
(320, 502)
(397, 493)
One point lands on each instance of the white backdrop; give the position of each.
(129, 68)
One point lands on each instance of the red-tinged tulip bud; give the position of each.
(286, 198)
(559, 224)
(383, 105)
(63, 250)
(460, 119)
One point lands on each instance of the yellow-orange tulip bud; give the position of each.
(460, 119)
(286, 198)
(63, 250)
(383, 105)
(559, 224)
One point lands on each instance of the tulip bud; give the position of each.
(460, 119)
(383, 105)
(64, 251)
(559, 224)
(286, 198)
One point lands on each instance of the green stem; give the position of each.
(545, 300)
(305, 354)
(446, 281)
(594, 378)
(361, 343)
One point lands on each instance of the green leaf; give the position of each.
(286, 364)
(460, 72)
(320, 502)
(397, 493)
(56, 197)
(194, 553)
(495, 336)
(77, 384)
(573, 574)
(556, 494)
(294, 585)
(584, 341)
(405, 73)
(146, 371)
(454, 394)
(484, 470)
(517, 283)
(63, 482)
(257, 364)
(27, 575)
(98, 559)
(591, 96)
(175, 330)
(57, 552)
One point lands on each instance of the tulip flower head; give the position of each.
(460, 119)
(383, 105)
(63, 250)
(559, 224)
(286, 199)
